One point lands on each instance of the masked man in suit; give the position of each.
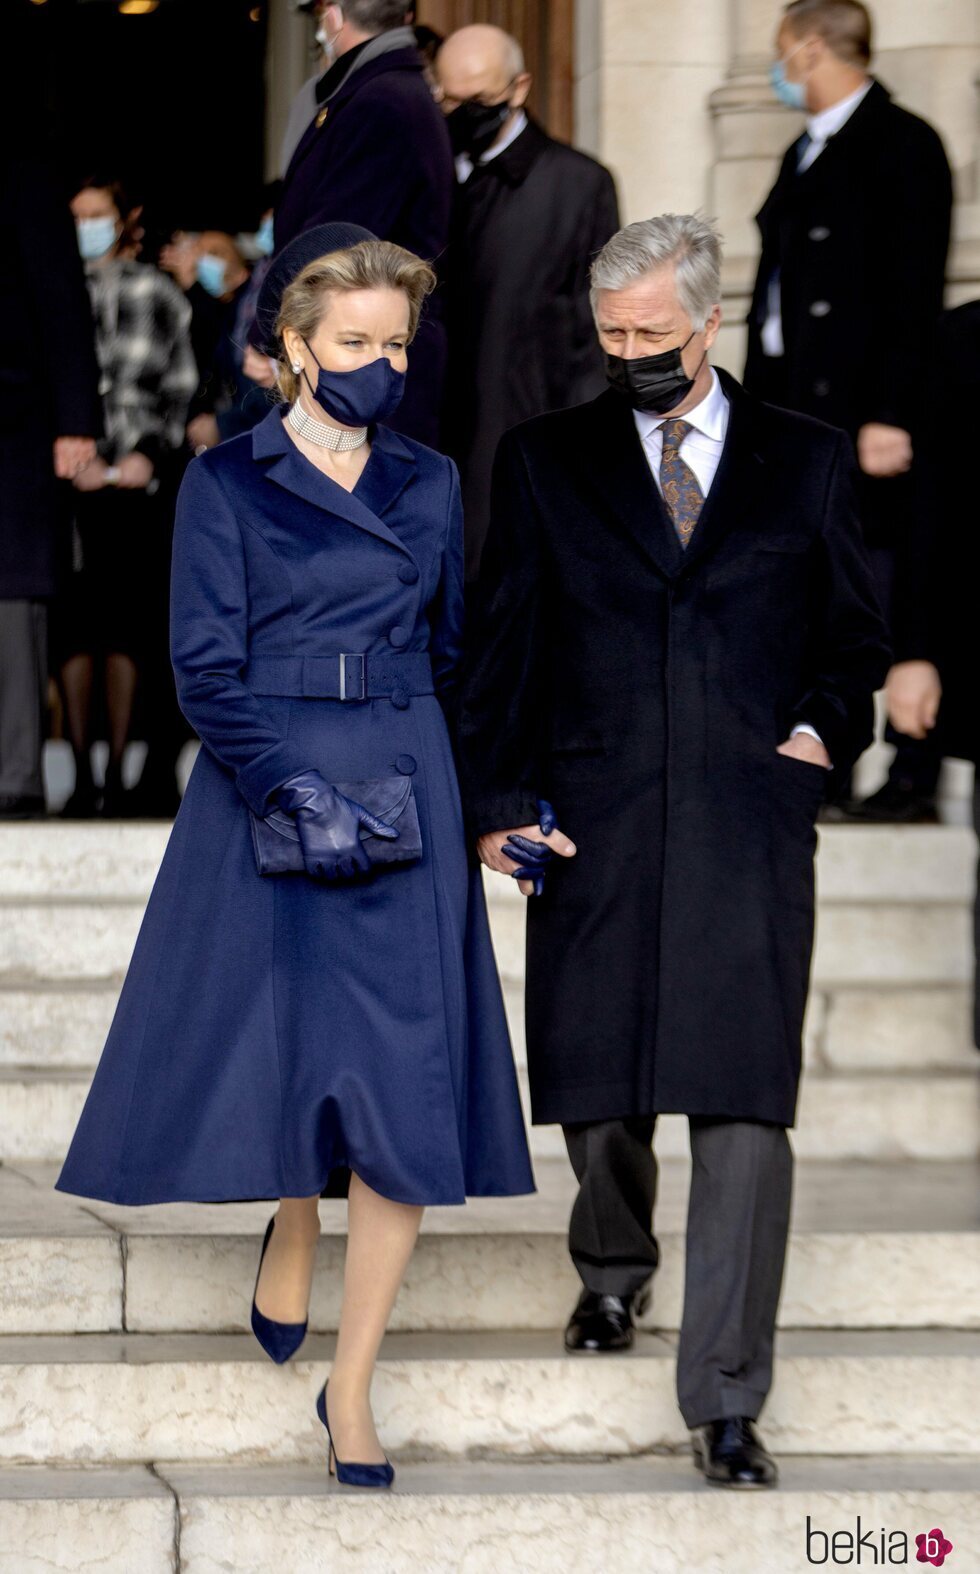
(676, 641)
(849, 292)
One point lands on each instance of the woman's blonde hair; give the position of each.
(370, 265)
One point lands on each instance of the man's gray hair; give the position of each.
(689, 241)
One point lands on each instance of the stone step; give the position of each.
(913, 943)
(893, 1245)
(842, 1116)
(885, 1028)
(490, 1517)
(114, 1398)
(118, 859)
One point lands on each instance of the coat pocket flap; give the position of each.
(788, 541)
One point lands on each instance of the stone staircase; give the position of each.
(141, 1429)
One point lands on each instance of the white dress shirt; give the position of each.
(464, 164)
(701, 451)
(819, 128)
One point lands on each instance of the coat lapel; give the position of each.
(735, 488)
(624, 483)
(387, 473)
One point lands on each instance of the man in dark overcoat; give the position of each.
(932, 688)
(677, 637)
(376, 153)
(50, 415)
(850, 288)
(529, 215)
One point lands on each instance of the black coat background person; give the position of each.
(644, 694)
(48, 389)
(860, 241)
(935, 622)
(377, 154)
(526, 226)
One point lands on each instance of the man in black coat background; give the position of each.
(849, 291)
(676, 635)
(932, 688)
(529, 215)
(50, 416)
(376, 153)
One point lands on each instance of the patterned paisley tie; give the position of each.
(682, 494)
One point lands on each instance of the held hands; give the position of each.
(71, 455)
(522, 854)
(884, 450)
(805, 747)
(912, 695)
(328, 826)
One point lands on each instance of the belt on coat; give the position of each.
(346, 676)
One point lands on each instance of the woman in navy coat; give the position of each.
(280, 1036)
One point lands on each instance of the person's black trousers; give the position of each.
(23, 696)
(737, 1229)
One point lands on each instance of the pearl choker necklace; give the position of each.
(342, 439)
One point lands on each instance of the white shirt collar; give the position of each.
(710, 417)
(464, 164)
(829, 121)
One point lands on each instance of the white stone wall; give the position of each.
(674, 96)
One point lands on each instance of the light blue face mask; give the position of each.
(792, 94)
(211, 274)
(264, 239)
(95, 237)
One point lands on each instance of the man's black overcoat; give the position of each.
(526, 226)
(381, 157)
(644, 691)
(859, 240)
(49, 379)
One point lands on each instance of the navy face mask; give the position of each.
(359, 397)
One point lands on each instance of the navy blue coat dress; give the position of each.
(274, 1033)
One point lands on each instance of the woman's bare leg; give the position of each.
(283, 1290)
(381, 1236)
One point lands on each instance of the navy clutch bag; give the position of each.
(391, 798)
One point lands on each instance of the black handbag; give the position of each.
(391, 798)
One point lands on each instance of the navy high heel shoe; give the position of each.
(351, 1475)
(278, 1340)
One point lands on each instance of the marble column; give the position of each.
(644, 72)
(288, 62)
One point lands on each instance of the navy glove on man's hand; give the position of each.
(533, 858)
(328, 826)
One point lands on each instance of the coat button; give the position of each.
(819, 232)
(399, 699)
(821, 387)
(405, 765)
(408, 574)
(398, 636)
(820, 309)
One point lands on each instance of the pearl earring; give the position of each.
(297, 366)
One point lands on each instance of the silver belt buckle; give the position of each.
(353, 679)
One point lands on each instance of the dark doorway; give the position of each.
(172, 100)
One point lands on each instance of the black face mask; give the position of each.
(656, 383)
(473, 126)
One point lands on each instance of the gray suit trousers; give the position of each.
(737, 1228)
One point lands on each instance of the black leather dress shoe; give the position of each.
(604, 1323)
(895, 804)
(730, 1453)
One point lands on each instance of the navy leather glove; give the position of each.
(328, 826)
(533, 858)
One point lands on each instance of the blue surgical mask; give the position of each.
(360, 397)
(211, 274)
(792, 94)
(264, 237)
(95, 237)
